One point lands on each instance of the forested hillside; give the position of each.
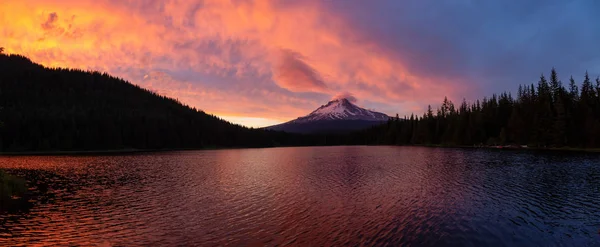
(63, 109)
(544, 115)
(47, 109)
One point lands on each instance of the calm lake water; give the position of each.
(313, 196)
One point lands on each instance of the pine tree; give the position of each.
(429, 112)
(555, 84)
(544, 113)
(587, 90)
(573, 90)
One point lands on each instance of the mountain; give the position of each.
(336, 116)
(53, 109)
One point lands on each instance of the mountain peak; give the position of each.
(342, 109)
(342, 101)
(337, 115)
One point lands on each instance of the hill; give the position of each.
(48, 109)
(51, 109)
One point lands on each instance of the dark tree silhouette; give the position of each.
(544, 116)
(65, 109)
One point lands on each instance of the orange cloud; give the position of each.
(345, 95)
(227, 57)
(49, 24)
(294, 74)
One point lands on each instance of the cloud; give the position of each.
(278, 59)
(269, 59)
(49, 23)
(345, 95)
(294, 74)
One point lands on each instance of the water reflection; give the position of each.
(309, 196)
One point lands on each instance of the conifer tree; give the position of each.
(573, 90)
(555, 84)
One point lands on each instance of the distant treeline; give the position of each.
(542, 115)
(46, 109)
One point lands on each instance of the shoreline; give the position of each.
(136, 151)
(98, 152)
(562, 149)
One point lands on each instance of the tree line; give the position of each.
(546, 114)
(47, 109)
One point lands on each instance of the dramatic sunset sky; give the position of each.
(266, 61)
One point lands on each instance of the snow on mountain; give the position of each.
(342, 109)
(338, 115)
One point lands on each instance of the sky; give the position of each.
(263, 62)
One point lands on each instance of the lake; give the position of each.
(309, 196)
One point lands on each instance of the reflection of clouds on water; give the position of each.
(309, 196)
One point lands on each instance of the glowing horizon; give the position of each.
(258, 63)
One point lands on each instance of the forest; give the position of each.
(54, 109)
(49, 109)
(543, 115)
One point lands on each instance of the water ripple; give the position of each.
(319, 196)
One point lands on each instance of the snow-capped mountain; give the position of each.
(336, 116)
(342, 109)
